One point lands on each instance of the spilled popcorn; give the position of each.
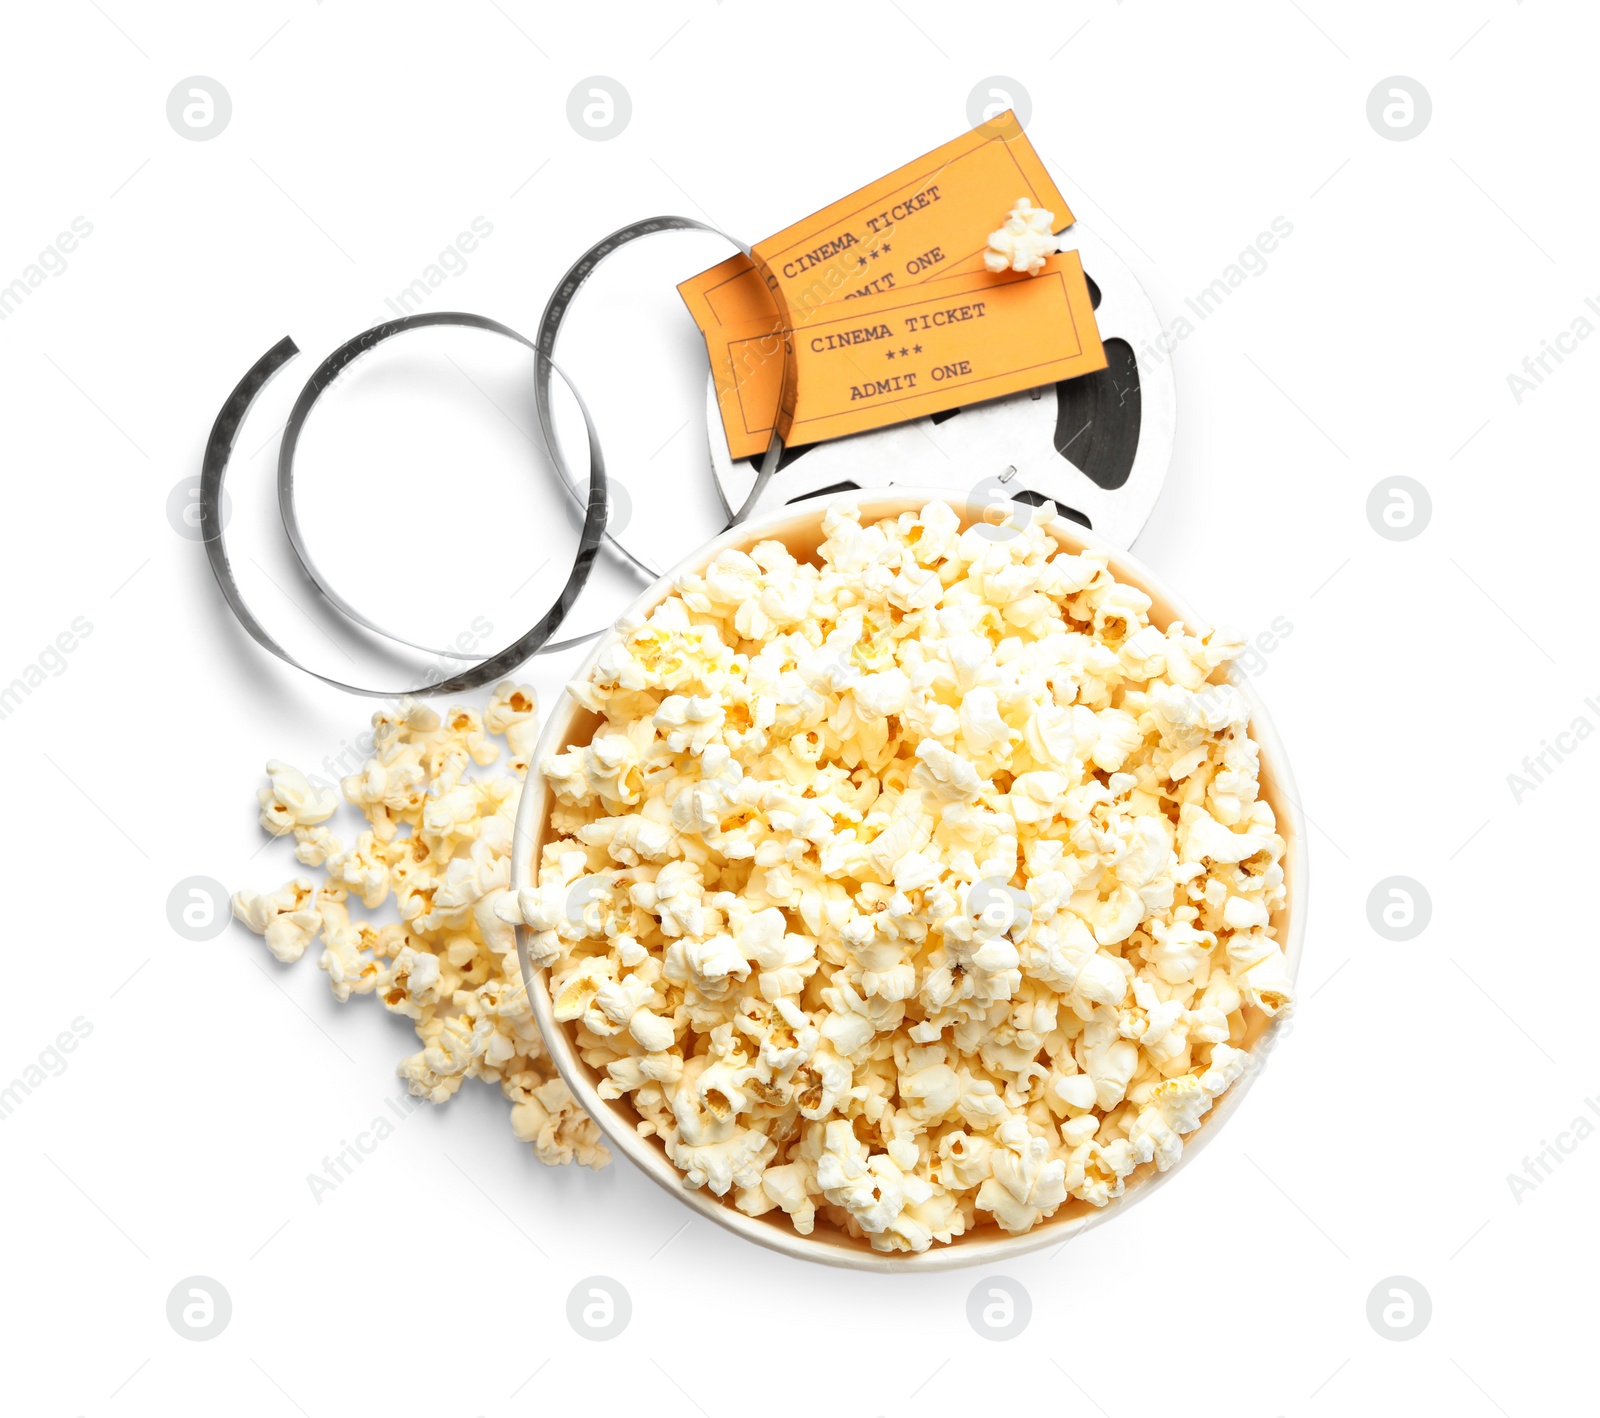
(438, 844)
(918, 889)
(1024, 242)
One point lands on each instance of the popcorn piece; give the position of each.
(948, 776)
(1024, 241)
(1027, 1182)
(290, 801)
(349, 951)
(1266, 982)
(560, 1131)
(285, 917)
(786, 1186)
(514, 711)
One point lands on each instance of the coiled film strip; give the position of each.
(478, 670)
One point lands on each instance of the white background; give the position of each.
(1417, 675)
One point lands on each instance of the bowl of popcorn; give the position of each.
(906, 891)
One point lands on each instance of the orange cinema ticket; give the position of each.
(905, 353)
(927, 220)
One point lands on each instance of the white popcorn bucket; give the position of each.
(799, 528)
